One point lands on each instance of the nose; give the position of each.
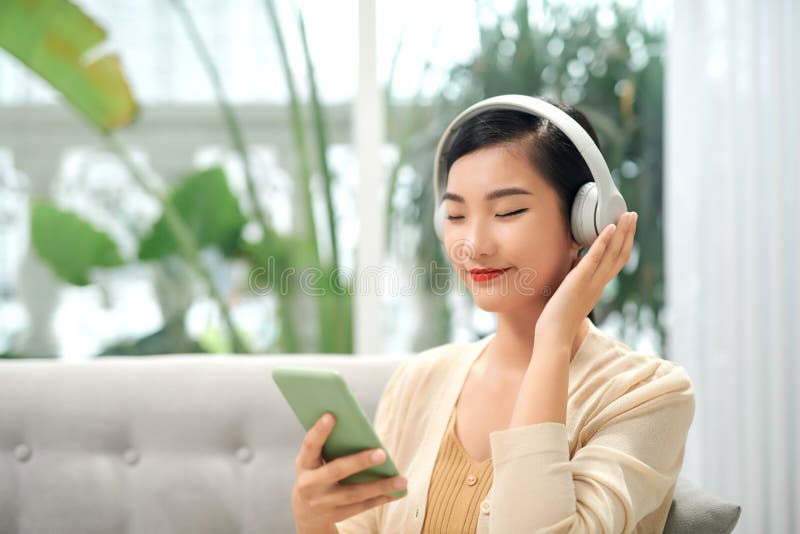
(476, 240)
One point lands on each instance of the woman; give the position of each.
(547, 425)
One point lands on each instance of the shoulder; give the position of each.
(423, 372)
(625, 376)
(610, 357)
(422, 368)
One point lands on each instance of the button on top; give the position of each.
(131, 456)
(244, 454)
(22, 452)
(471, 480)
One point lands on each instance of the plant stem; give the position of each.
(231, 122)
(334, 322)
(322, 140)
(409, 127)
(299, 132)
(183, 234)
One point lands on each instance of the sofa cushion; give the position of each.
(694, 510)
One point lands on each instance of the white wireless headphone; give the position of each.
(596, 205)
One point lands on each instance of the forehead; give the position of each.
(490, 167)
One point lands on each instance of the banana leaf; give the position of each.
(60, 43)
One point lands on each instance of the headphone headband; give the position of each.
(535, 106)
(608, 202)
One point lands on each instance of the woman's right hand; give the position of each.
(318, 500)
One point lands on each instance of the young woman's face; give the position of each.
(501, 214)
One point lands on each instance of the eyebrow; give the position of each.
(493, 195)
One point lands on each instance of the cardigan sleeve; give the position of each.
(622, 473)
(386, 424)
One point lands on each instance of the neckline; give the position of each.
(473, 461)
(482, 343)
(479, 349)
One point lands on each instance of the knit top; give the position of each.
(611, 467)
(458, 485)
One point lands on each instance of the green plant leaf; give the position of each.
(71, 245)
(205, 202)
(57, 41)
(273, 256)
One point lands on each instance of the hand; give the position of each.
(583, 286)
(318, 501)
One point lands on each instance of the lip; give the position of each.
(482, 275)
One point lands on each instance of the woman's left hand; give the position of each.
(583, 286)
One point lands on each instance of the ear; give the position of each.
(575, 250)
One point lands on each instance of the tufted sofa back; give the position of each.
(166, 444)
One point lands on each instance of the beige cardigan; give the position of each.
(612, 468)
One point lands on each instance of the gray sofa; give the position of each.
(181, 444)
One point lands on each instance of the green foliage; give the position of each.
(274, 253)
(69, 244)
(58, 42)
(334, 312)
(205, 202)
(171, 338)
(54, 38)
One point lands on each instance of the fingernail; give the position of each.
(327, 420)
(377, 456)
(399, 483)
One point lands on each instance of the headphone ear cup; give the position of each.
(438, 221)
(582, 217)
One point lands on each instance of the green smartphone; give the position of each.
(312, 391)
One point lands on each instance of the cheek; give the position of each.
(539, 266)
(459, 252)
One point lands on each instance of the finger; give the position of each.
(596, 252)
(626, 250)
(617, 242)
(347, 494)
(345, 466)
(310, 456)
(610, 264)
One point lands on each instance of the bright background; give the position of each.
(694, 103)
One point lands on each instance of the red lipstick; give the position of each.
(482, 275)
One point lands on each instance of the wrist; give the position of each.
(328, 529)
(318, 527)
(551, 340)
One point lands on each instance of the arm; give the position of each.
(624, 471)
(330, 530)
(542, 396)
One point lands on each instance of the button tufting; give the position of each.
(22, 452)
(244, 454)
(131, 456)
(471, 480)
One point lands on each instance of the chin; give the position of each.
(500, 302)
(495, 303)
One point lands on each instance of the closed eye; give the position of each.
(509, 214)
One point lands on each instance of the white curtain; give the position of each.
(732, 219)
